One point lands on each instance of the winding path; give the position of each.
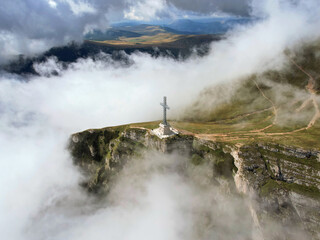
(260, 132)
(313, 98)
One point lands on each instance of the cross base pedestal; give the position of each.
(164, 131)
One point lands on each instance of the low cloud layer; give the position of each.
(154, 197)
(39, 184)
(240, 7)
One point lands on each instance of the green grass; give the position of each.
(159, 38)
(306, 139)
(147, 125)
(238, 118)
(196, 159)
(261, 120)
(268, 187)
(272, 186)
(311, 162)
(238, 131)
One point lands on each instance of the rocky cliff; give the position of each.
(282, 182)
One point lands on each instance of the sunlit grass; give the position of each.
(147, 40)
(244, 131)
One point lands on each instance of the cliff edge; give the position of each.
(282, 183)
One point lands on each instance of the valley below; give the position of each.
(117, 46)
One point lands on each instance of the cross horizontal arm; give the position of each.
(164, 105)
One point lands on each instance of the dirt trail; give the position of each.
(260, 132)
(311, 83)
(275, 111)
(313, 98)
(272, 103)
(317, 112)
(304, 105)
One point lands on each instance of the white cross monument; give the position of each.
(165, 107)
(165, 130)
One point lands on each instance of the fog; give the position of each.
(154, 197)
(41, 198)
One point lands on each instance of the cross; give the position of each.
(165, 107)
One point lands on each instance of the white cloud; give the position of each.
(41, 197)
(14, 44)
(145, 10)
(52, 3)
(80, 7)
(35, 26)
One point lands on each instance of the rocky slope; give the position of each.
(282, 182)
(102, 153)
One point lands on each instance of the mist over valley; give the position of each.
(80, 87)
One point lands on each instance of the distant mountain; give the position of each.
(159, 38)
(150, 30)
(211, 25)
(111, 34)
(126, 24)
(134, 29)
(180, 49)
(130, 31)
(207, 26)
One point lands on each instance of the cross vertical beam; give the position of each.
(165, 107)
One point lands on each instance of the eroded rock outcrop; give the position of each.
(284, 185)
(282, 182)
(101, 153)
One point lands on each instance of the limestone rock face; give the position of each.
(102, 153)
(282, 183)
(285, 181)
